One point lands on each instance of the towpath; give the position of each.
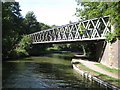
(91, 65)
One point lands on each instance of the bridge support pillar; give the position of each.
(109, 53)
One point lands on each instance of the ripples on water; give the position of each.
(53, 71)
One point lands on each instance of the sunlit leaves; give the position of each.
(23, 45)
(31, 23)
(87, 10)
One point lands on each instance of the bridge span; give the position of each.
(86, 30)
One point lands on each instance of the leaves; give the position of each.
(11, 22)
(23, 45)
(31, 23)
(87, 10)
(15, 27)
(110, 37)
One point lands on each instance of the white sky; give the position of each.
(51, 12)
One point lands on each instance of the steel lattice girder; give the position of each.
(91, 29)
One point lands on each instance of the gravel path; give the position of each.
(91, 65)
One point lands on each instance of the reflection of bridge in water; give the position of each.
(91, 29)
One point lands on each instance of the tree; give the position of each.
(43, 26)
(31, 23)
(89, 10)
(23, 46)
(11, 25)
(15, 42)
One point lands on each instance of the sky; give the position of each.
(50, 12)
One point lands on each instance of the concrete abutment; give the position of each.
(109, 53)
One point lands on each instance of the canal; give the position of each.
(48, 71)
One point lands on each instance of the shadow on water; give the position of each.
(62, 73)
(51, 68)
(52, 71)
(63, 55)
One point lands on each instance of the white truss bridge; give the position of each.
(86, 30)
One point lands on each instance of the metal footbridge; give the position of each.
(86, 30)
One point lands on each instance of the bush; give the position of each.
(110, 37)
(23, 46)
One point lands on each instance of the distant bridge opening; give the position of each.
(86, 30)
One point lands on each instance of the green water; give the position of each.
(50, 71)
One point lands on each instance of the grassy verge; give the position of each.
(101, 76)
(108, 69)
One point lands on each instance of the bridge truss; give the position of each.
(91, 29)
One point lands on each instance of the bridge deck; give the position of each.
(70, 41)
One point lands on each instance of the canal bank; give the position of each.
(92, 71)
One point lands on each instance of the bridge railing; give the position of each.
(91, 29)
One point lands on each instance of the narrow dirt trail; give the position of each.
(91, 65)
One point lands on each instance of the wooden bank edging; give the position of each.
(87, 75)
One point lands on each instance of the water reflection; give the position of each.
(52, 71)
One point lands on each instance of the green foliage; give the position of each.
(39, 49)
(81, 28)
(53, 26)
(76, 47)
(43, 26)
(100, 75)
(23, 46)
(15, 43)
(89, 10)
(110, 37)
(107, 68)
(11, 25)
(31, 23)
(87, 49)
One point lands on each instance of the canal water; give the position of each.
(50, 71)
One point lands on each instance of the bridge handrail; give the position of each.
(70, 24)
(90, 29)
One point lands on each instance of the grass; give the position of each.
(100, 75)
(108, 69)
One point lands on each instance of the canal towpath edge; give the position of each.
(91, 65)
